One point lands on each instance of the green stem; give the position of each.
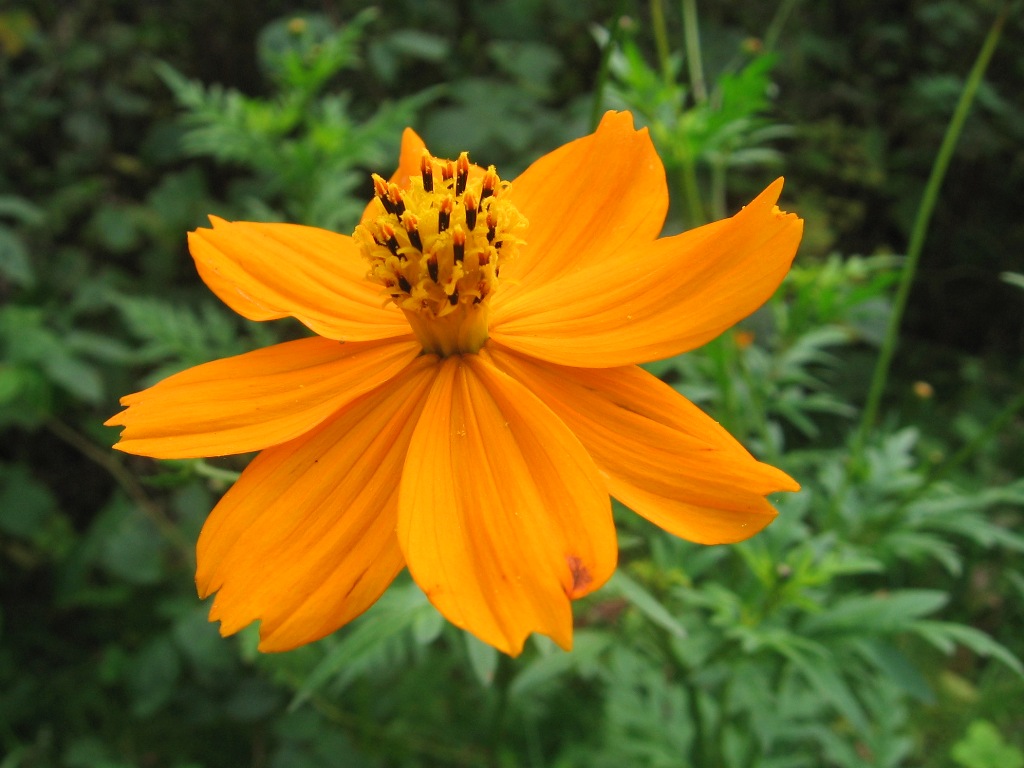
(771, 35)
(729, 416)
(718, 206)
(614, 36)
(499, 714)
(661, 41)
(688, 170)
(691, 190)
(920, 230)
(694, 62)
(758, 410)
(129, 484)
(203, 469)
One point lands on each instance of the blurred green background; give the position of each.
(878, 622)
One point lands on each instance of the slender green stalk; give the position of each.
(920, 230)
(694, 61)
(129, 484)
(215, 473)
(498, 717)
(688, 169)
(691, 190)
(718, 190)
(614, 36)
(723, 354)
(661, 41)
(757, 409)
(771, 35)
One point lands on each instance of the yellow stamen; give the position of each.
(426, 249)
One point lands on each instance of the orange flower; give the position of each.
(471, 398)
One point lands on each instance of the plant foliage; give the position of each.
(877, 622)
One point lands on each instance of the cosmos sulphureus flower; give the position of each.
(470, 400)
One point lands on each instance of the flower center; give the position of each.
(437, 247)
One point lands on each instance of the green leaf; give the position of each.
(199, 641)
(131, 547)
(427, 627)
(370, 639)
(78, 377)
(20, 209)
(946, 635)
(25, 504)
(916, 546)
(100, 347)
(644, 602)
(20, 755)
(822, 673)
(14, 262)
(387, 52)
(483, 659)
(84, 752)
(878, 614)
(187, 335)
(152, 676)
(179, 200)
(983, 746)
(11, 382)
(588, 649)
(1013, 278)
(419, 44)
(115, 228)
(898, 669)
(253, 699)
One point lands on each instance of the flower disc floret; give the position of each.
(437, 247)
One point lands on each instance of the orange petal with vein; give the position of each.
(503, 516)
(305, 540)
(585, 201)
(268, 271)
(252, 401)
(654, 300)
(663, 457)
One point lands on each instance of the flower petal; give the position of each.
(502, 515)
(409, 157)
(409, 165)
(655, 300)
(585, 201)
(252, 401)
(268, 271)
(305, 540)
(663, 457)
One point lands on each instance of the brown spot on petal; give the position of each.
(581, 577)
